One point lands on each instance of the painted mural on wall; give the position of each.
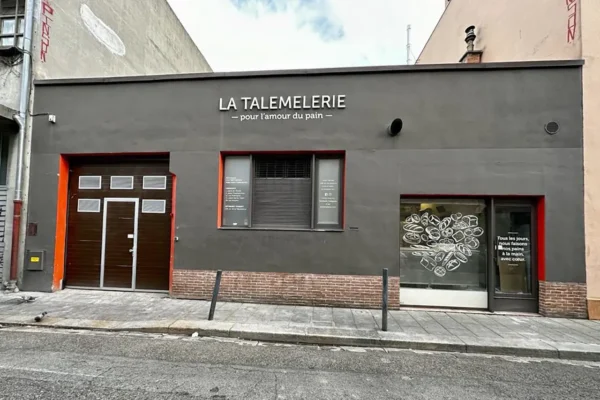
(443, 244)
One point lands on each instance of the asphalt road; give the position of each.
(51, 364)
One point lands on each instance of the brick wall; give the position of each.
(283, 288)
(563, 299)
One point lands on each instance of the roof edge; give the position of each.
(318, 71)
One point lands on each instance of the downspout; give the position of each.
(21, 119)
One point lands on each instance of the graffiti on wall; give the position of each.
(572, 20)
(46, 19)
(101, 31)
(443, 244)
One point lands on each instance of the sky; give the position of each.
(252, 35)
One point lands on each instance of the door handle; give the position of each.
(131, 250)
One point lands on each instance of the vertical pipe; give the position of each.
(384, 310)
(21, 119)
(213, 302)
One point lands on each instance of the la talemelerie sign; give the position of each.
(263, 108)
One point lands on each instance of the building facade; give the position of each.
(563, 29)
(74, 38)
(303, 185)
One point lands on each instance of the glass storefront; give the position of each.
(471, 253)
(443, 244)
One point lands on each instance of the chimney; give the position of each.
(472, 56)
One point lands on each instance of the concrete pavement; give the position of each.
(466, 332)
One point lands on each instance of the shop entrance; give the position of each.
(468, 253)
(119, 223)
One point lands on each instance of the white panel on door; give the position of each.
(88, 205)
(121, 182)
(155, 182)
(154, 206)
(90, 182)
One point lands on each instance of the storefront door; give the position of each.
(119, 243)
(513, 278)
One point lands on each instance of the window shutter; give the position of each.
(282, 192)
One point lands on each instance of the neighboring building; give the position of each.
(75, 38)
(514, 30)
(298, 185)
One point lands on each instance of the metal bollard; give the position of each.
(213, 302)
(384, 315)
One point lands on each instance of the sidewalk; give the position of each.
(474, 332)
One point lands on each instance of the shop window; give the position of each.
(155, 183)
(90, 182)
(299, 191)
(88, 205)
(154, 206)
(121, 182)
(443, 244)
(4, 145)
(12, 23)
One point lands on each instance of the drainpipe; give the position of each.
(21, 119)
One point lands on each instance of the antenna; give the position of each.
(408, 45)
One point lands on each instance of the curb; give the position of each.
(328, 337)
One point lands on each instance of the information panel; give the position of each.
(236, 191)
(328, 192)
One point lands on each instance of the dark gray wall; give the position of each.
(468, 132)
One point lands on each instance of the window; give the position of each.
(90, 182)
(300, 191)
(121, 182)
(88, 205)
(154, 183)
(4, 143)
(443, 244)
(12, 23)
(154, 206)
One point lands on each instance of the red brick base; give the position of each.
(357, 291)
(563, 299)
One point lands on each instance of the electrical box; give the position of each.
(35, 260)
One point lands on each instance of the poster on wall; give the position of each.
(236, 186)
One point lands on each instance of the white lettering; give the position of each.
(231, 105)
(342, 101)
(315, 101)
(245, 100)
(273, 103)
(326, 101)
(305, 104)
(285, 102)
(254, 104)
(297, 100)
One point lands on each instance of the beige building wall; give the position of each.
(516, 30)
(590, 32)
(507, 30)
(112, 38)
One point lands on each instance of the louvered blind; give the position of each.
(282, 192)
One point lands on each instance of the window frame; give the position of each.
(19, 14)
(314, 226)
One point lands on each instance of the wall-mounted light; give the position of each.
(395, 127)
